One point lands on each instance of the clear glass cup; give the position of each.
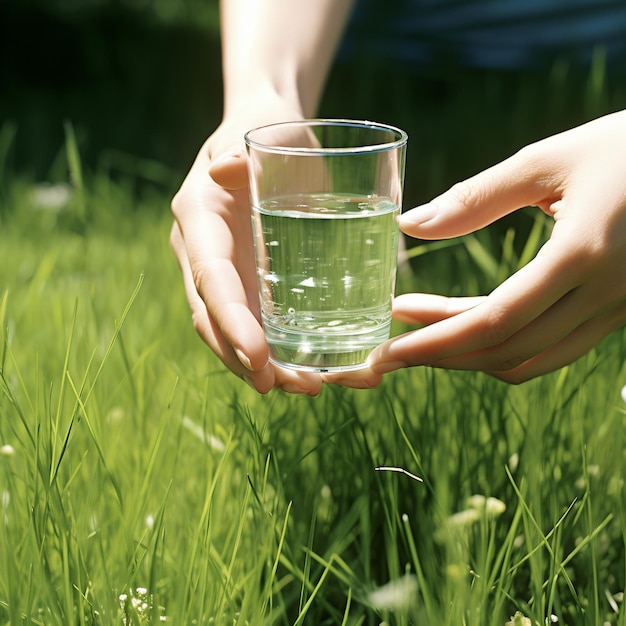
(325, 196)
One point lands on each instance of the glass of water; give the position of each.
(325, 196)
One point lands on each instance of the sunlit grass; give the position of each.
(143, 483)
(140, 482)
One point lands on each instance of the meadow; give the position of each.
(141, 482)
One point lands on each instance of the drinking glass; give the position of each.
(325, 196)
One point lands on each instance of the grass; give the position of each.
(140, 482)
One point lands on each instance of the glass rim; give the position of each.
(401, 137)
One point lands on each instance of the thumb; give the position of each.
(229, 169)
(478, 201)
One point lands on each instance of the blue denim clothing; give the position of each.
(489, 34)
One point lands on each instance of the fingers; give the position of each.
(519, 181)
(514, 304)
(260, 372)
(564, 332)
(559, 321)
(217, 253)
(568, 350)
(424, 308)
(262, 378)
(516, 333)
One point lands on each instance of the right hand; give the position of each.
(212, 239)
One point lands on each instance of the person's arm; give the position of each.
(284, 47)
(560, 305)
(276, 55)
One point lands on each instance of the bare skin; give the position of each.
(567, 299)
(560, 305)
(276, 56)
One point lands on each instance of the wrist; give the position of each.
(261, 104)
(261, 95)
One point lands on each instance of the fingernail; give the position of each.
(417, 216)
(245, 361)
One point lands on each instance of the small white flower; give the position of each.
(49, 196)
(624, 393)
(396, 595)
(464, 518)
(519, 620)
(7, 450)
(491, 506)
(150, 522)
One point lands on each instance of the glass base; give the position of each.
(319, 369)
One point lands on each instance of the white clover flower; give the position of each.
(396, 595)
(519, 619)
(491, 506)
(464, 518)
(478, 507)
(7, 450)
(51, 196)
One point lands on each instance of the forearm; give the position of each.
(284, 46)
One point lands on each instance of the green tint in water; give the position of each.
(326, 267)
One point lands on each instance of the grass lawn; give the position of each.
(140, 482)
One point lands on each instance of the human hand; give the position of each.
(212, 239)
(562, 303)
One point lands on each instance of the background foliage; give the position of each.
(139, 480)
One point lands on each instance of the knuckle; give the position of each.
(496, 328)
(505, 360)
(199, 275)
(465, 193)
(474, 191)
(199, 321)
(178, 203)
